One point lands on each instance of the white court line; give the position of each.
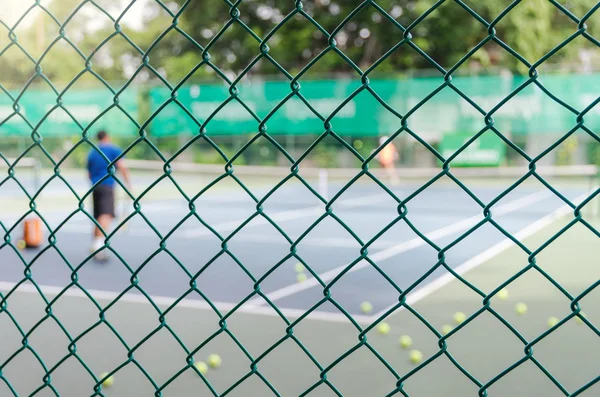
(287, 215)
(257, 221)
(250, 238)
(483, 257)
(197, 304)
(234, 224)
(267, 311)
(402, 247)
(159, 206)
(163, 301)
(311, 241)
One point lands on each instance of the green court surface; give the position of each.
(154, 360)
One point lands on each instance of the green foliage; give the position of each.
(208, 156)
(324, 156)
(594, 152)
(531, 28)
(78, 158)
(565, 153)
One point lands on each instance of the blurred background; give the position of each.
(112, 41)
(274, 276)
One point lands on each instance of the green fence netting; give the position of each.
(261, 42)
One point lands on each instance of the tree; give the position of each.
(232, 37)
(532, 28)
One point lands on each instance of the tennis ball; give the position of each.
(405, 341)
(578, 319)
(21, 245)
(552, 321)
(521, 308)
(366, 307)
(299, 267)
(446, 329)
(108, 382)
(214, 361)
(201, 367)
(301, 277)
(416, 356)
(459, 317)
(383, 328)
(502, 294)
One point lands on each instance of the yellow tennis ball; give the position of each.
(502, 294)
(108, 382)
(299, 267)
(214, 361)
(552, 321)
(383, 328)
(405, 341)
(201, 367)
(301, 277)
(446, 329)
(21, 245)
(366, 307)
(578, 319)
(459, 317)
(521, 308)
(415, 356)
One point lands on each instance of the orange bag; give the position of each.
(33, 233)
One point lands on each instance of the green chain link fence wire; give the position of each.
(405, 40)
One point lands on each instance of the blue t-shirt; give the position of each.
(97, 165)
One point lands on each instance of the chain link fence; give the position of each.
(405, 39)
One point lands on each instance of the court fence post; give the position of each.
(323, 183)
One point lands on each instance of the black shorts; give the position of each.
(104, 201)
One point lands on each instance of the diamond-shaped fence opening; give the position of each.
(299, 198)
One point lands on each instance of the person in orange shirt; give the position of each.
(387, 158)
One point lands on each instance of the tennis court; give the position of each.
(329, 198)
(180, 277)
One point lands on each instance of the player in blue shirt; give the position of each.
(103, 196)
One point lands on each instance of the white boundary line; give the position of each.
(402, 247)
(227, 226)
(289, 215)
(331, 242)
(163, 301)
(197, 304)
(421, 293)
(483, 257)
(335, 242)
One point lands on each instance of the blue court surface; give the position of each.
(227, 266)
(165, 277)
